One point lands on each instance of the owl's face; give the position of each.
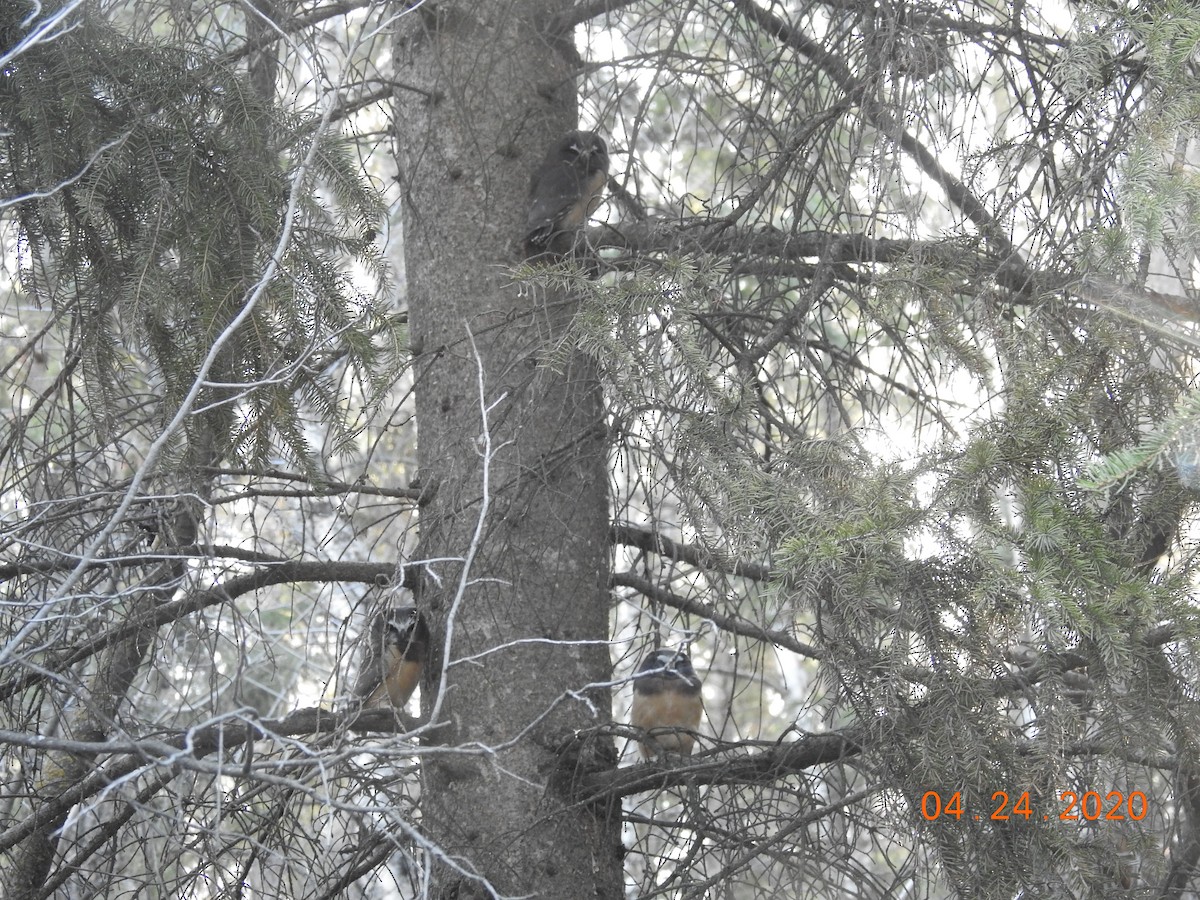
(667, 668)
(404, 631)
(585, 150)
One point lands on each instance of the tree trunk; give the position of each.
(512, 459)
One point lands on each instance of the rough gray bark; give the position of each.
(484, 91)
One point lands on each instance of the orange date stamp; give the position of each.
(1090, 806)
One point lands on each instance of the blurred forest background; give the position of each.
(872, 384)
